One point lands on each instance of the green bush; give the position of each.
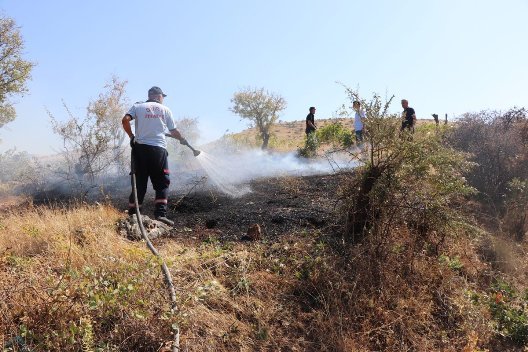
(336, 134)
(409, 181)
(310, 146)
(333, 134)
(509, 309)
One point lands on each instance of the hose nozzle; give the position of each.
(184, 142)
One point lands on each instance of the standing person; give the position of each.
(435, 117)
(149, 149)
(408, 116)
(359, 116)
(310, 121)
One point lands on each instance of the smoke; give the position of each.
(223, 166)
(230, 170)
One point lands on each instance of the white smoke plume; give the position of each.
(230, 169)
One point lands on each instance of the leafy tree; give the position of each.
(14, 70)
(260, 107)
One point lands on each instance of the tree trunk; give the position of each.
(265, 140)
(359, 217)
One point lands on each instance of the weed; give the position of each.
(87, 334)
(510, 312)
(452, 263)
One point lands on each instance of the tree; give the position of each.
(94, 144)
(14, 70)
(108, 110)
(498, 143)
(260, 107)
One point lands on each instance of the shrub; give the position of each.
(498, 144)
(515, 220)
(509, 309)
(94, 145)
(409, 181)
(335, 134)
(310, 146)
(19, 171)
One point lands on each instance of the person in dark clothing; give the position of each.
(310, 121)
(435, 117)
(408, 117)
(149, 149)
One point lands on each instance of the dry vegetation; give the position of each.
(290, 135)
(70, 282)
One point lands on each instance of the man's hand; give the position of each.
(132, 141)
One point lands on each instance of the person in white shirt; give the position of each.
(149, 149)
(359, 117)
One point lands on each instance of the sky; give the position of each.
(444, 56)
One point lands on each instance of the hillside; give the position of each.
(445, 280)
(289, 135)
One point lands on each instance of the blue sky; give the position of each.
(443, 56)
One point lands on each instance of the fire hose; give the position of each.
(164, 268)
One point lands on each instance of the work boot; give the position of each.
(164, 220)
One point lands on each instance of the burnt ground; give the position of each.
(279, 205)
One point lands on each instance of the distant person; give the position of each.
(310, 121)
(408, 117)
(446, 119)
(359, 117)
(435, 117)
(149, 150)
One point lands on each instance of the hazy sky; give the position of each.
(444, 56)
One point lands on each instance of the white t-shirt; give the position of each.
(358, 120)
(152, 121)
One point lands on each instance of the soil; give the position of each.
(278, 205)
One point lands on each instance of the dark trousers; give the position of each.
(359, 136)
(151, 162)
(407, 125)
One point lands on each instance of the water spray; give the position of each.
(184, 142)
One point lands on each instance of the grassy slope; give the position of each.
(70, 282)
(288, 136)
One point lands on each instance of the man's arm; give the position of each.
(176, 134)
(310, 123)
(126, 125)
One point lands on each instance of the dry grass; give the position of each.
(70, 283)
(289, 135)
